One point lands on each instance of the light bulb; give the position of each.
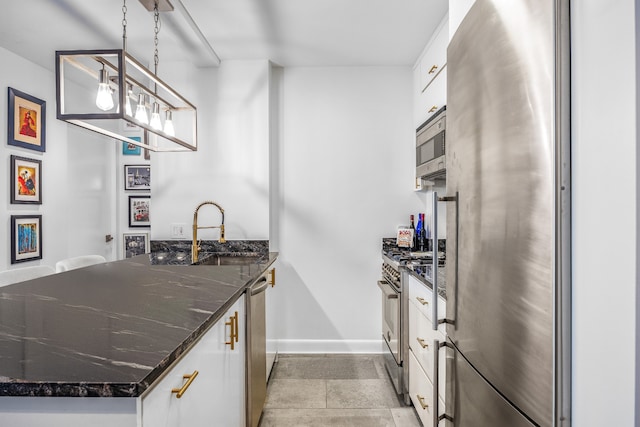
(104, 100)
(127, 101)
(168, 124)
(155, 117)
(141, 110)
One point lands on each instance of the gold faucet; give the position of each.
(195, 246)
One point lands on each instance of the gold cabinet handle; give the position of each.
(422, 301)
(432, 109)
(235, 321)
(421, 400)
(422, 343)
(433, 69)
(180, 391)
(273, 277)
(233, 335)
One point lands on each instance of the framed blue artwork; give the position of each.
(131, 149)
(26, 238)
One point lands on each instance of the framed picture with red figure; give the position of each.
(26, 124)
(26, 181)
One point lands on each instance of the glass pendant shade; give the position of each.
(77, 73)
(155, 117)
(168, 124)
(141, 110)
(104, 99)
(127, 101)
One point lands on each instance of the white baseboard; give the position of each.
(331, 346)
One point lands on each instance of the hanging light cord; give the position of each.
(124, 25)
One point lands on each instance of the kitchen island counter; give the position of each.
(112, 329)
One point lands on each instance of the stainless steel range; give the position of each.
(394, 317)
(396, 264)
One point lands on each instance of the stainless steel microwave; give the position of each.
(430, 146)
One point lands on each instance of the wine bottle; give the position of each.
(424, 237)
(419, 228)
(414, 242)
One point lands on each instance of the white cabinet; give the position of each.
(215, 396)
(430, 75)
(434, 58)
(422, 348)
(421, 391)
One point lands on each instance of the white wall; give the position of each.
(344, 161)
(604, 123)
(457, 11)
(231, 166)
(76, 169)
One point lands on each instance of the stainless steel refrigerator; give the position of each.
(508, 216)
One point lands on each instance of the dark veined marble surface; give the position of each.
(178, 252)
(421, 271)
(110, 329)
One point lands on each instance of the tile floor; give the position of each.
(333, 390)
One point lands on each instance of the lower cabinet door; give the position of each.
(211, 378)
(421, 342)
(421, 392)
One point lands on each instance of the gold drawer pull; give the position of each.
(432, 109)
(422, 301)
(233, 336)
(180, 391)
(422, 343)
(273, 277)
(433, 69)
(421, 400)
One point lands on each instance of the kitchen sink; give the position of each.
(231, 259)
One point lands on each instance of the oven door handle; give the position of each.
(387, 289)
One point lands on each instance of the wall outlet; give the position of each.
(178, 230)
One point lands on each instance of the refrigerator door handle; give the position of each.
(434, 258)
(437, 345)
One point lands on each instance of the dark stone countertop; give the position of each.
(424, 273)
(110, 330)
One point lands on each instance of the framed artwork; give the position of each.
(135, 244)
(27, 121)
(137, 177)
(139, 207)
(131, 149)
(26, 238)
(26, 182)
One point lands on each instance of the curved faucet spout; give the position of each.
(195, 246)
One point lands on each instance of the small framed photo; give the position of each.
(27, 121)
(139, 207)
(135, 244)
(137, 177)
(129, 149)
(26, 238)
(26, 180)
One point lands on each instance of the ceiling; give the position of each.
(288, 32)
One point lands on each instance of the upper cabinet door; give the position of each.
(435, 56)
(430, 75)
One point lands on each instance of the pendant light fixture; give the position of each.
(168, 124)
(122, 78)
(104, 99)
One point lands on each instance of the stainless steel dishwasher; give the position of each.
(256, 350)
